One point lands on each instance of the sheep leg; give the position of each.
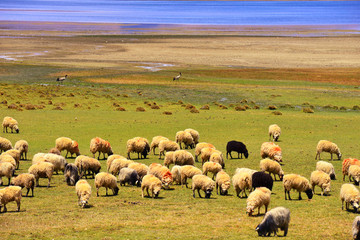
(199, 193)
(32, 191)
(49, 183)
(317, 154)
(300, 196)
(25, 156)
(147, 190)
(266, 207)
(217, 186)
(9, 182)
(37, 182)
(66, 153)
(331, 156)
(106, 191)
(5, 209)
(97, 192)
(18, 205)
(28, 190)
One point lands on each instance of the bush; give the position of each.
(277, 113)
(167, 113)
(307, 110)
(30, 107)
(256, 107)
(272, 107)
(155, 107)
(120, 109)
(356, 107)
(205, 107)
(140, 109)
(194, 110)
(189, 106)
(240, 108)
(58, 108)
(12, 106)
(222, 106)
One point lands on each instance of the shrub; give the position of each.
(256, 107)
(167, 113)
(222, 106)
(30, 107)
(240, 108)
(116, 104)
(4, 102)
(277, 113)
(120, 109)
(58, 108)
(272, 107)
(190, 106)
(180, 102)
(140, 109)
(247, 106)
(307, 110)
(244, 101)
(77, 105)
(12, 106)
(343, 108)
(155, 107)
(356, 107)
(194, 110)
(205, 107)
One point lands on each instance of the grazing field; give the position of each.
(91, 102)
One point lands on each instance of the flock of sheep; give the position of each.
(156, 176)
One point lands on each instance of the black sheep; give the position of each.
(238, 147)
(71, 174)
(261, 179)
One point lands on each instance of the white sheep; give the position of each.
(25, 180)
(23, 147)
(222, 181)
(57, 160)
(195, 135)
(15, 154)
(297, 182)
(161, 172)
(6, 170)
(83, 191)
(88, 166)
(11, 123)
(218, 158)
(101, 146)
(182, 157)
(138, 145)
(273, 167)
(167, 145)
(200, 146)
(155, 142)
(140, 168)
(275, 132)
(327, 146)
(106, 180)
(212, 167)
(327, 168)
(250, 171)
(278, 217)
(5, 144)
(201, 182)
(118, 164)
(347, 162)
(184, 137)
(54, 150)
(176, 174)
(271, 150)
(110, 159)
(350, 195)
(9, 194)
(42, 170)
(188, 171)
(207, 152)
(322, 180)
(8, 158)
(356, 228)
(354, 172)
(65, 143)
(152, 183)
(258, 198)
(242, 181)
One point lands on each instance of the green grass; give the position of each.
(54, 214)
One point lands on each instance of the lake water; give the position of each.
(184, 12)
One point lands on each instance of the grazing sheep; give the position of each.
(5, 144)
(169, 158)
(211, 167)
(346, 164)
(188, 171)
(42, 170)
(218, 158)
(259, 197)
(23, 147)
(9, 194)
(195, 135)
(322, 180)
(57, 160)
(179, 157)
(6, 170)
(110, 159)
(106, 180)
(241, 182)
(350, 194)
(167, 145)
(118, 164)
(71, 174)
(25, 180)
(261, 179)
(238, 147)
(130, 176)
(327, 146)
(15, 154)
(201, 182)
(140, 168)
(299, 183)
(356, 228)
(273, 167)
(278, 217)
(206, 154)
(161, 172)
(176, 174)
(138, 145)
(65, 143)
(184, 137)
(11, 123)
(54, 150)
(101, 146)
(83, 191)
(153, 183)
(8, 158)
(91, 165)
(250, 171)
(271, 150)
(222, 181)
(155, 142)
(200, 146)
(274, 132)
(327, 168)
(354, 172)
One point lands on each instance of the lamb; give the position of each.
(83, 191)
(155, 142)
(271, 150)
(65, 143)
(222, 181)
(273, 167)
(327, 168)
(161, 172)
(356, 228)
(167, 145)
(118, 164)
(5, 144)
(188, 171)
(184, 137)
(354, 172)
(71, 174)
(259, 197)
(179, 157)
(106, 180)
(8, 158)
(297, 182)
(11, 123)
(275, 132)
(238, 147)
(211, 167)
(15, 154)
(130, 176)
(218, 158)
(25, 180)
(140, 168)
(199, 147)
(241, 182)
(201, 182)
(42, 170)
(206, 154)
(85, 163)
(23, 147)
(6, 170)
(54, 150)
(194, 134)
(101, 146)
(261, 179)
(9, 194)
(110, 159)
(176, 174)
(138, 145)
(322, 180)
(152, 183)
(346, 164)
(327, 146)
(350, 194)
(278, 217)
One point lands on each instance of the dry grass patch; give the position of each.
(167, 113)
(278, 113)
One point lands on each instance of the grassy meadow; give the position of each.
(102, 101)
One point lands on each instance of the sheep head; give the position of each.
(156, 191)
(309, 193)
